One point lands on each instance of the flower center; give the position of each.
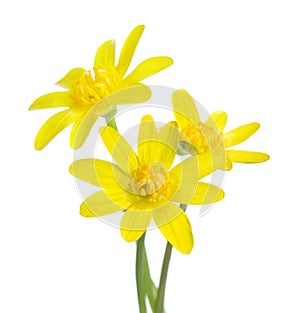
(151, 182)
(91, 88)
(202, 137)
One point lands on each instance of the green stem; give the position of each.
(112, 123)
(140, 263)
(164, 274)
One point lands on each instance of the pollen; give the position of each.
(150, 181)
(90, 88)
(202, 137)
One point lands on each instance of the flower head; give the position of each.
(91, 89)
(199, 137)
(145, 185)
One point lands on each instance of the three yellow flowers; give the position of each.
(146, 184)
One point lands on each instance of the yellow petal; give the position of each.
(184, 107)
(119, 149)
(175, 226)
(218, 120)
(129, 49)
(240, 134)
(99, 173)
(134, 223)
(55, 125)
(228, 164)
(147, 68)
(99, 204)
(72, 76)
(246, 156)
(105, 54)
(147, 141)
(167, 144)
(52, 100)
(203, 194)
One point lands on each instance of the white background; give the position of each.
(242, 57)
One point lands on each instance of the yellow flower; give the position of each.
(144, 185)
(91, 89)
(198, 137)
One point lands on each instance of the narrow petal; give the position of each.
(167, 144)
(119, 149)
(185, 109)
(217, 119)
(99, 173)
(55, 125)
(246, 156)
(240, 134)
(228, 164)
(99, 204)
(105, 54)
(147, 141)
(147, 68)
(72, 76)
(56, 99)
(203, 194)
(175, 226)
(129, 49)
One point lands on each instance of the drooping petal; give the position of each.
(246, 156)
(99, 204)
(185, 110)
(228, 164)
(128, 49)
(119, 149)
(54, 125)
(175, 226)
(105, 54)
(72, 76)
(204, 193)
(240, 134)
(99, 173)
(167, 144)
(134, 223)
(217, 119)
(147, 68)
(56, 99)
(147, 141)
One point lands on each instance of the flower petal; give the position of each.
(119, 149)
(129, 49)
(99, 173)
(175, 226)
(147, 68)
(134, 223)
(185, 110)
(72, 76)
(105, 54)
(147, 141)
(240, 134)
(167, 144)
(99, 204)
(246, 156)
(217, 119)
(204, 193)
(54, 125)
(56, 99)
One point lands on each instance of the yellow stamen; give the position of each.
(90, 89)
(203, 138)
(151, 182)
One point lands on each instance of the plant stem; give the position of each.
(140, 284)
(112, 123)
(164, 274)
